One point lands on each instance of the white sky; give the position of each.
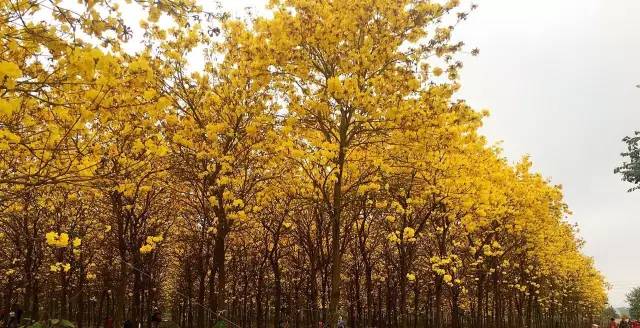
(558, 77)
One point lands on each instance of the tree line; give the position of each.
(312, 164)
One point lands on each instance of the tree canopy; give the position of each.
(630, 168)
(633, 299)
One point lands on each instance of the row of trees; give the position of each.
(306, 166)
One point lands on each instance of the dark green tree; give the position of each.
(630, 168)
(633, 298)
(608, 313)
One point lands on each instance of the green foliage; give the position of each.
(633, 298)
(630, 168)
(622, 312)
(608, 313)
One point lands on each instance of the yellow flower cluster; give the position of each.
(59, 266)
(9, 71)
(146, 248)
(151, 243)
(408, 234)
(393, 238)
(57, 240)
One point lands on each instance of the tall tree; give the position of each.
(633, 299)
(630, 169)
(345, 66)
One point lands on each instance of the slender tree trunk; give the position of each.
(455, 308)
(437, 317)
(369, 290)
(219, 260)
(479, 322)
(416, 304)
(202, 272)
(275, 266)
(336, 222)
(336, 264)
(259, 310)
(136, 311)
(402, 278)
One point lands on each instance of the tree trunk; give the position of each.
(336, 221)
(336, 266)
(277, 289)
(259, 310)
(437, 317)
(219, 260)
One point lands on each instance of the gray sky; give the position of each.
(559, 80)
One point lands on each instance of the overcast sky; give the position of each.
(558, 77)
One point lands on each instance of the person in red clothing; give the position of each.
(635, 324)
(108, 322)
(612, 323)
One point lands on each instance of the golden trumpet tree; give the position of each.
(344, 67)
